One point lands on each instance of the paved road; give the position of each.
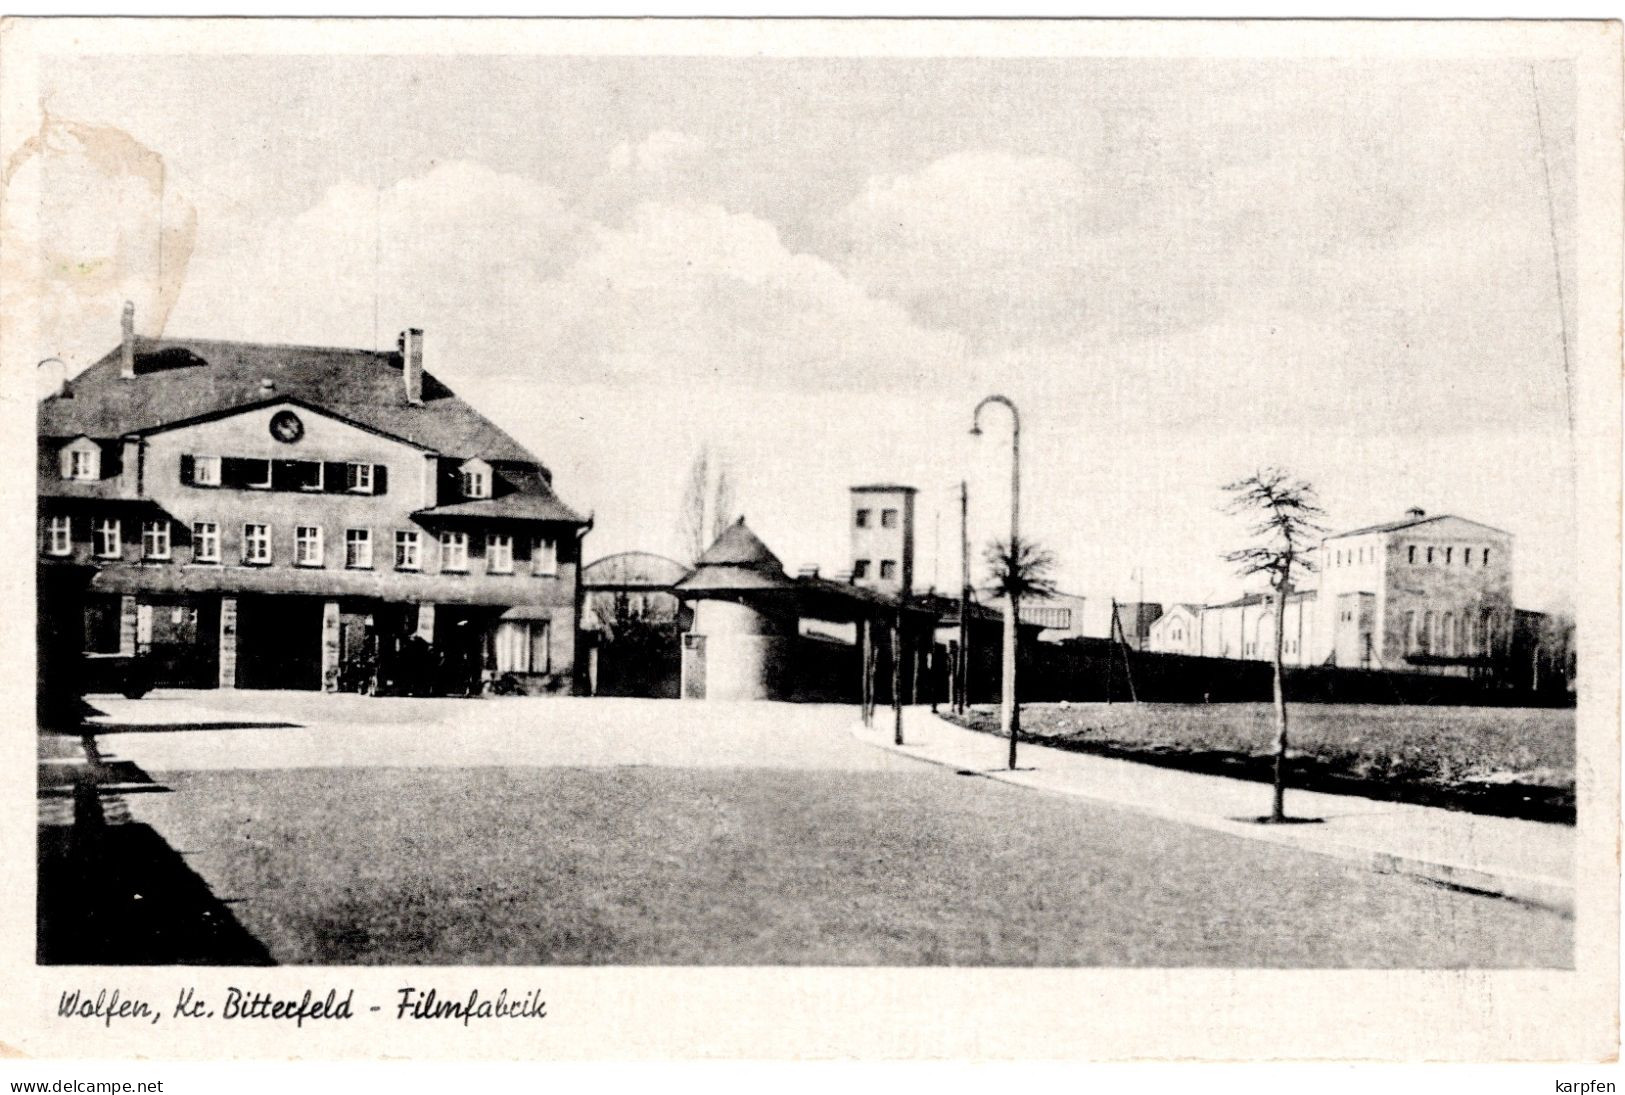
(538, 831)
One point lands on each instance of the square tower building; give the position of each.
(882, 523)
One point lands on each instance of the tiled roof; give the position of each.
(511, 507)
(727, 577)
(188, 378)
(1410, 522)
(739, 546)
(737, 561)
(1248, 599)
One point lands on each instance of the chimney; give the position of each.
(127, 350)
(807, 572)
(267, 386)
(411, 344)
(1416, 513)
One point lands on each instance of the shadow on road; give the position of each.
(104, 728)
(119, 895)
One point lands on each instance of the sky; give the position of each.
(1180, 270)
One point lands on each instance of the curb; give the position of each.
(1550, 894)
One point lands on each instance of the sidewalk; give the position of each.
(1526, 861)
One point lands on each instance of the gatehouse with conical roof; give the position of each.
(747, 640)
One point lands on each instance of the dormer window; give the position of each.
(81, 459)
(476, 479)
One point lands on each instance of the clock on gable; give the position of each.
(286, 427)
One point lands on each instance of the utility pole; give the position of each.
(962, 698)
(1111, 652)
(1128, 666)
(867, 695)
(897, 674)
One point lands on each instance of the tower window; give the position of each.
(1411, 555)
(888, 569)
(861, 519)
(860, 568)
(888, 518)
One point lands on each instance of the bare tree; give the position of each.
(1281, 511)
(722, 502)
(691, 527)
(707, 507)
(1017, 571)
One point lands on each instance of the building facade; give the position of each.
(1060, 615)
(882, 522)
(1177, 631)
(1245, 628)
(749, 638)
(1431, 594)
(251, 515)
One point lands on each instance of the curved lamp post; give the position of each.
(1009, 719)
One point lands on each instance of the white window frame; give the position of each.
(454, 552)
(321, 478)
(354, 540)
(359, 477)
(205, 532)
(155, 540)
(81, 459)
(544, 557)
(205, 471)
(514, 644)
(888, 518)
(308, 537)
(261, 539)
(475, 483)
(412, 542)
(59, 535)
(107, 532)
(494, 540)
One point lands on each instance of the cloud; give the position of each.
(509, 278)
(458, 248)
(666, 167)
(696, 292)
(992, 245)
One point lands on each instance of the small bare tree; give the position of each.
(707, 507)
(1016, 572)
(1281, 511)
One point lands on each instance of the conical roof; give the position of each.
(739, 546)
(738, 561)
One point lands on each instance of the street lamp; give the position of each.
(1009, 719)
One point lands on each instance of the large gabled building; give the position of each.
(252, 515)
(1426, 592)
